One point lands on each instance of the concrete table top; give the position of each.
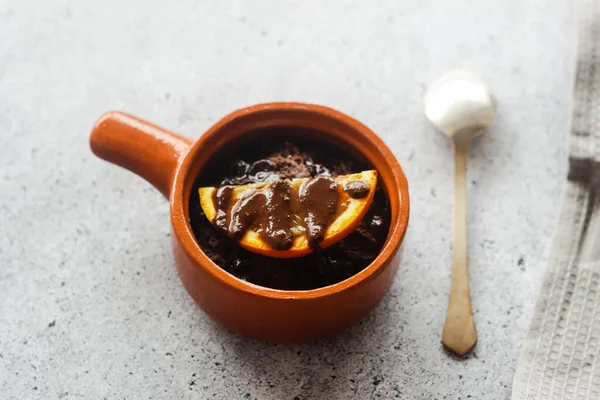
(90, 303)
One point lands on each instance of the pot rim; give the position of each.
(183, 231)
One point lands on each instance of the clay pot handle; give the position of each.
(139, 146)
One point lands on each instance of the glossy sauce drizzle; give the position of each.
(276, 210)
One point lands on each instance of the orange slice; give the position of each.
(350, 212)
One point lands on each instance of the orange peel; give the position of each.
(350, 212)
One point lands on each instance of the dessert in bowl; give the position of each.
(266, 296)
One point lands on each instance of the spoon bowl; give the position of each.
(459, 105)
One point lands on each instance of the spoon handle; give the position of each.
(460, 334)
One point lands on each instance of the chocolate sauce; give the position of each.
(242, 164)
(356, 189)
(319, 199)
(278, 230)
(222, 198)
(268, 210)
(272, 211)
(245, 213)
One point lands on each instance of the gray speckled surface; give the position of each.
(90, 304)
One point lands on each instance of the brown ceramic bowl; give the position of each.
(171, 163)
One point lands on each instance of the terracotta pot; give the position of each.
(171, 163)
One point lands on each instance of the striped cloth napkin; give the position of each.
(560, 358)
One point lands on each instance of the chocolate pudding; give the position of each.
(273, 160)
